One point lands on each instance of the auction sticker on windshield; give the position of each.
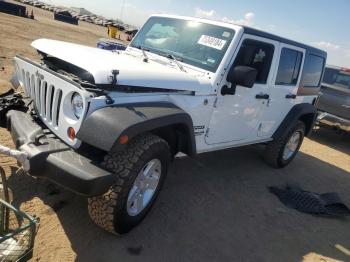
(212, 42)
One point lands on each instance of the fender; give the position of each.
(304, 112)
(103, 127)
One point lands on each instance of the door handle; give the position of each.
(291, 96)
(262, 96)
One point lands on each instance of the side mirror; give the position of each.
(239, 76)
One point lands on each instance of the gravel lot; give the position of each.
(214, 208)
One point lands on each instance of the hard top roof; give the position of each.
(253, 31)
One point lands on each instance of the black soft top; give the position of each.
(309, 49)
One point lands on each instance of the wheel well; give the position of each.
(308, 120)
(177, 136)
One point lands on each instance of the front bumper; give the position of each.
(333, 121)
(49, 157)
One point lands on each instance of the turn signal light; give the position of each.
(123, 139)
(71, 133)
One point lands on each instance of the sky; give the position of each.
(321, 23)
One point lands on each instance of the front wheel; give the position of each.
(139, 174)
(281, 151)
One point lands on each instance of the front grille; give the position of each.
(51, 94)
(46, 97)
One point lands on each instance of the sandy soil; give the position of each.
(214, 208)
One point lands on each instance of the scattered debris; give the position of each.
(309, 202)
(9, 101)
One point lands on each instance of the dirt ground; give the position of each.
(214, 208)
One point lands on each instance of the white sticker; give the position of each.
(226, 34)
(212, 42)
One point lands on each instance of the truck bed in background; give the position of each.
(334, 101)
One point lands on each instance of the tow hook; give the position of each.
(109, 100)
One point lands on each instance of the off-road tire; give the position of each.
(109, 211)
(273, 154)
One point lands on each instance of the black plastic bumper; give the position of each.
(51, 158)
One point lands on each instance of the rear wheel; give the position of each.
(281, 151)
(139, 174)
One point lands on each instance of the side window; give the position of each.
(312, 72)
(330, 75)
(289, 67)
(258, 55)
(343, 80)
(336, 77)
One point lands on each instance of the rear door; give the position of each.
(283, 89)
(335, 92)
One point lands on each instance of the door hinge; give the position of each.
(207, 132)
(215, 102)
(268, 102)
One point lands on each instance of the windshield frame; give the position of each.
(183, 59)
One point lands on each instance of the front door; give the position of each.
(236, 118)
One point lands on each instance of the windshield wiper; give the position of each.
(145, 56)
(176, 62)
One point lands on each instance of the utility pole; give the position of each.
(121, 10)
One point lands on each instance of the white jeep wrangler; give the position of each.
(107, 124)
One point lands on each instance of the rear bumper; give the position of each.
(50, 158)
(333, 121)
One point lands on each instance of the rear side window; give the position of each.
(258, 55)
(312, 72)
(336, 77)
(289, 67)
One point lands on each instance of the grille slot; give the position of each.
(27, 84)
(43, 98)
(32, 86)
(37, 93)
(59, 99)
(46, 97)
(49, 102)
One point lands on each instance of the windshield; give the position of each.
(198, 44)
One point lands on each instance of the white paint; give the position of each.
(233, 121)
(132, 70)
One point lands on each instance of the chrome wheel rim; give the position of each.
(291, 146)
(144, 187)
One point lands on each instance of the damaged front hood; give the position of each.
(133, 71)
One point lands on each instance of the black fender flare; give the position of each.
(103, 128)
(304, 112)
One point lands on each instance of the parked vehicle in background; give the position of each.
(107, 124)
(65, 16)
(334, 101)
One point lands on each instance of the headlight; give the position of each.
(77, 105)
